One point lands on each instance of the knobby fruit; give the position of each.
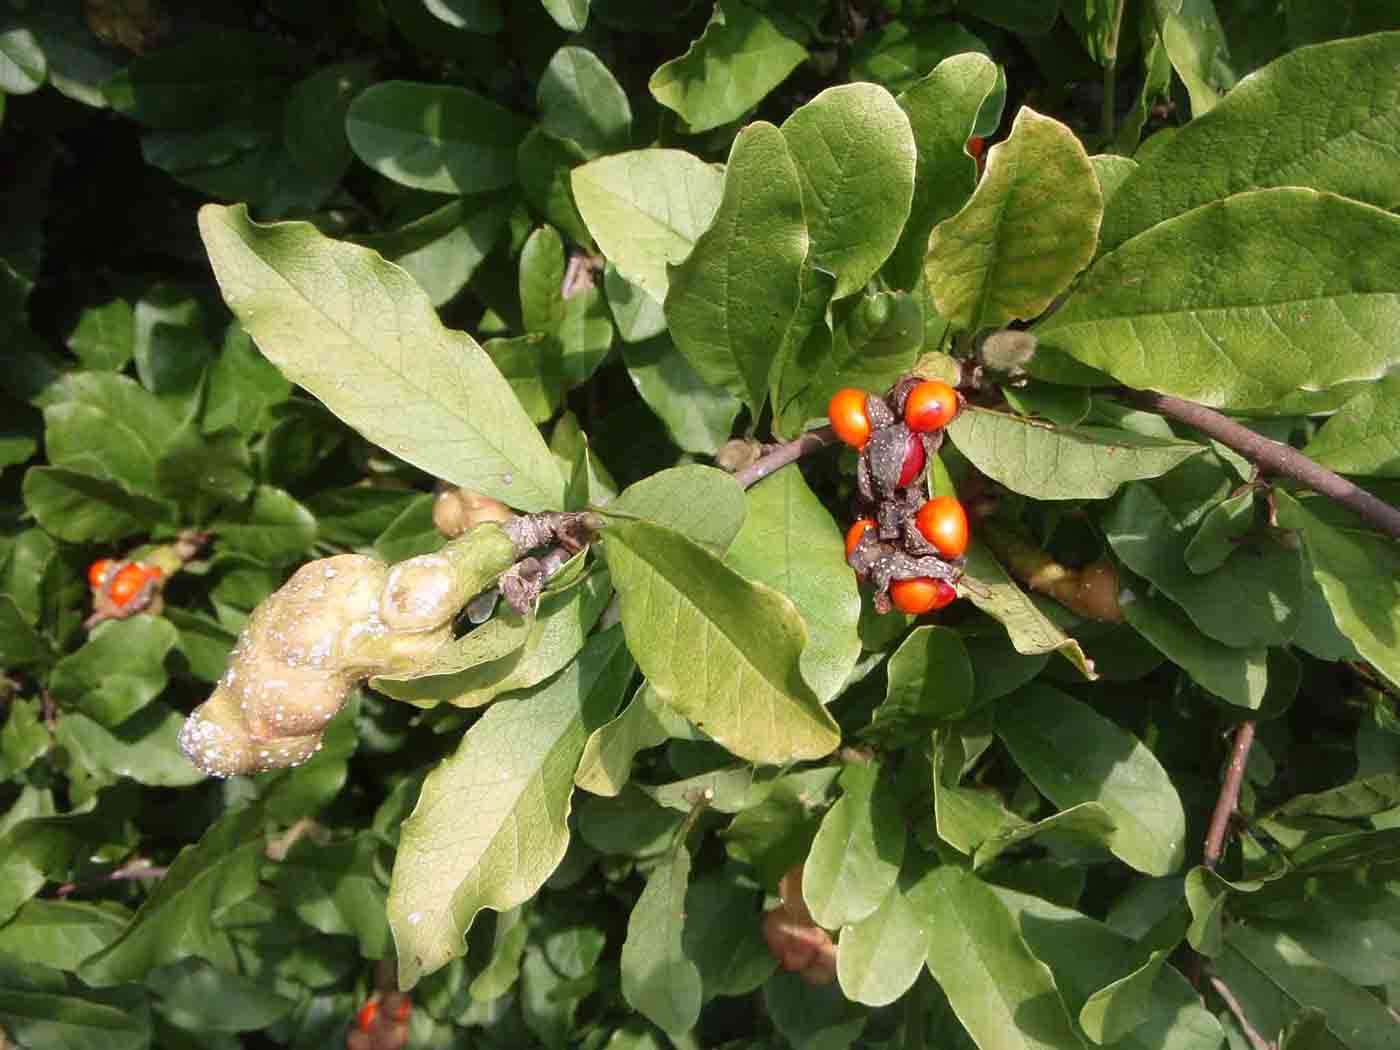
(930, 406)
(336, 622)
(856, 532)
(943, 522)
(921, 595)
(849, 417)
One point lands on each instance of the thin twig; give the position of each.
(1229, 796)
(1257, 1041)
(1273, 456)
(134, 870)
(789, 452)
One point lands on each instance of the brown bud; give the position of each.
(790, 892)
(456, 511)
(822, 969)
(791, 941)
(1097, 595)
(736, 454)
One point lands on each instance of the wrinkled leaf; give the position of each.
(1031, 225)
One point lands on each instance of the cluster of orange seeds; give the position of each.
(910, 548)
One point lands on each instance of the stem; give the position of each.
(1257, 1041)
(1273, 456)
(1229, 796)
(1110, 71)
(135, 870)
(789, 452)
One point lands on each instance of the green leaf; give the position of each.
(704, 504)
(993, 591)
(243, 387)
(658, 979)
(930, 681)
(855, 155)
(814, 1017)
(1004, 996)
(570, 15)
(730, 953)
(581, 102)
(435, 136)
(109, 426)
(80, 508)
(24, 738)
(1237, 676)
(23, 66)
(180, 917)
(1086, 955)
(1118, 1008)
(1359, 573)
(475, 16)
(104, 337)
(1364, 436)
(34, 848)
(899, 53)
(1044, 461)
(1087, 827)
(1360, 798)
(874, 340)
(942, 110)
(720, 650)
(698, 417)
(646, 209)
(879, 958)
(207, 78)
(790, 542)
(560, 629)
(144, 748)
(443, 407)
(274, 528)
(1031, 225)
(1221, 531)
(335, 888)
(739, 58)
(1251, 299)
(443, 249)
(195, 995)
(20, 644)
(544, 166)
(730, 302)
(464, 848)
(314, 122)
(119, 670)
(1318, 117)
(607, 757)
(61, 933)
(1074, 755)
(1195, 43)
(1274, 978)
(1253, 600)
(42, 1007)
(1031, 17)
(855, 858)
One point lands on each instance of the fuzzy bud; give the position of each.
(1008, 351)
(456, 511)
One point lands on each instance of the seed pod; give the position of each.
(424, 593)
(216, 740)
